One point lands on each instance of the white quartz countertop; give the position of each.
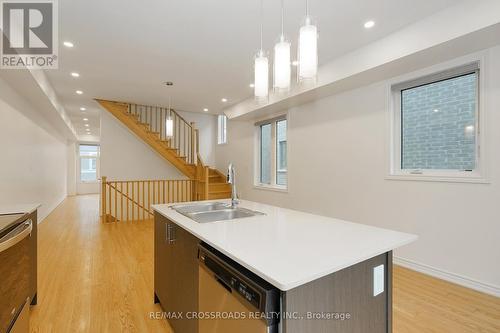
(18, 208)
(289, 248)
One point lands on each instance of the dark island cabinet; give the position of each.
(176, 273)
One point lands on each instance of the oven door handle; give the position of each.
(16, 235)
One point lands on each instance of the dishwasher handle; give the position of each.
(223, 284)
(16, 235)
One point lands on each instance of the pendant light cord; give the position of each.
(307, 8)
(282, 19)
(169, 106)
(261, 23)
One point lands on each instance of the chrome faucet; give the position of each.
(231, 179)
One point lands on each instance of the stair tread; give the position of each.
(217, 192)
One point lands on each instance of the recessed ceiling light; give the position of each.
(224, 100)
(205, 109)
(79, 92)
(369, 24)
(82, 109)
(75, 74)
(86, 125)
(295, 63)
(251, 85)
(85, 119)
(436, 110)
(68, 44)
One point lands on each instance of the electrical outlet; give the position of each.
(378, 280)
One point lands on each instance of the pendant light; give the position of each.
(261, 66)
(169, 126)
(308, 49)
(282, 63)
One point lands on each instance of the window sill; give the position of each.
(438, 178)
(89, 182)
(276, 188)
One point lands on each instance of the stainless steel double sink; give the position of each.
(213, 211)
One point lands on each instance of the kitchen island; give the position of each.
(31, 210)
(324, 268)
(18, 265)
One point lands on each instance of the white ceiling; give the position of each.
(125, 50)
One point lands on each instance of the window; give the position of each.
(281, 170)
(436, 130)
(89, 156)
(265, 154)
(222, 129)
(272, 153)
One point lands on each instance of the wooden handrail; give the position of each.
(126, 196)
(143, 105)
(129, 200)
(183, 134)
(158, 108)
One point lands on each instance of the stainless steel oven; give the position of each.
(15, 272)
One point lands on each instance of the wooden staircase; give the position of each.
(179, 147)
(218, 188)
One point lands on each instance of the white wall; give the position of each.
(87, 187)
(33, 160)
(337, 167)
(207, 126)
(72, 175)
(126, 157)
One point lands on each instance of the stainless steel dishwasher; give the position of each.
(233, 299)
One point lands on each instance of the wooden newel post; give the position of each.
(197, 132)
(205, 175)
(193, 138)
(103, 198)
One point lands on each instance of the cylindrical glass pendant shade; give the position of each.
(308, 51)
(261, 78)
(169, 127)
(282, 64)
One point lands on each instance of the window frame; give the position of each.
(274, 156)
(222, 129)
(98, 163)
(432, 75)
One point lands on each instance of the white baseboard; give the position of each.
(42, 217)
(447, 276)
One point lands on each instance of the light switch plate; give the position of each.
(378, 280)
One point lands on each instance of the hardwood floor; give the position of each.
(426, 304)
(96, 277)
